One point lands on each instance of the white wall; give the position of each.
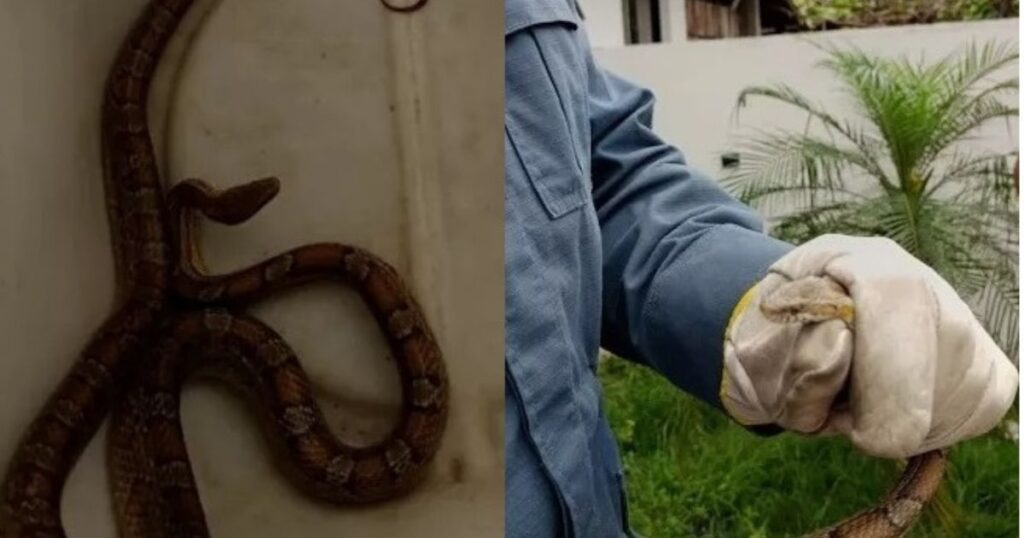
(604, 22)
(673, 21)
(697, 82)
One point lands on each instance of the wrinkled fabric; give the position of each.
(788, 374)
(921, 371)
(611, 240)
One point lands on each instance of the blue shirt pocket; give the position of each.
(542, 105)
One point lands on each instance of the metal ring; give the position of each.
(404, 9)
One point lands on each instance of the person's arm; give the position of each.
(901, 367)
(679, 252)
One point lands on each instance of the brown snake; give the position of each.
(896, 514)
(172, 320)
(818, 299)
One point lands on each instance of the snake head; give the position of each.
(230, 206)
(808, 300)
(238, 204)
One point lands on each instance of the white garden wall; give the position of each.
(604, 20)
(697, 82)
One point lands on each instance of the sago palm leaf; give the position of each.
(868, 146)
(898, 166)
(795, 169)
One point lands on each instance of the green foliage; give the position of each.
(902, 166)
(692, 472)
(815, 13)
(818, 13)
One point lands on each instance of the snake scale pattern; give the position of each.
(817, 299)
(901, 508)
(173, 320)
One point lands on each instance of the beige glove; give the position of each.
(855, 336)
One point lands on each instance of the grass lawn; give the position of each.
(693, 473)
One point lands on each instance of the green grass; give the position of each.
(693, 473)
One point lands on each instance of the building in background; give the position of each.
(626, 22)
(697, 72)
(613, 23)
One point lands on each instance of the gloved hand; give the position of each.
(855, 336)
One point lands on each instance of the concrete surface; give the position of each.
(385, 132)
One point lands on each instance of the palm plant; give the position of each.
(901, 166)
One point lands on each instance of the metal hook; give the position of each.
(404, 9)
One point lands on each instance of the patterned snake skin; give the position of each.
(172, 320)
(901, 508)
(816, 299)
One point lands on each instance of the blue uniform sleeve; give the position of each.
(678, 251)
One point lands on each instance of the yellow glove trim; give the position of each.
(740, 308)
(737, 311)
(846, 313)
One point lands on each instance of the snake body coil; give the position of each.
(172, 321)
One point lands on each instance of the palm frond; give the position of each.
(867, 144)
(953, 208)
(777, 161)
(998, 308)
(973, 65)
(973, 171)
(966, 120)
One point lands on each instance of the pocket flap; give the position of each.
(521, 14)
